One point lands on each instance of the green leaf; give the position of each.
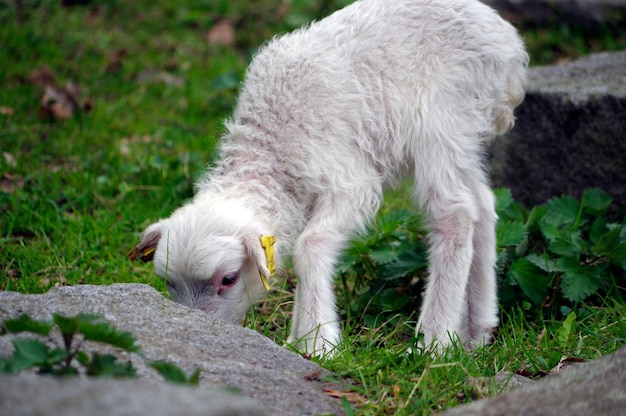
(598, 228)
(596, 201)
(85, 318)
(67, 325)
(27, 353)
(173, 374)
(170, 372)
(522, 248)
(565, 207)
(390, 300)
(5, 365)
(560, 214)
(106, 365)
(56, 356)
(579, 281)
(393, 220)
(550, 225)
(194, 378)
(82, 358)
(510, 234)
(61, 371)
(568, 243)
(618, 255)
(564, 333)
(229, 80)
(506, 208)
(347, 262)
(504, 199)
(384, 255)
(106, 333)
(535, 214)
(606, 242)
(27, 324)
(409, 261)
(531, 279)
(544, 262)
(157, 162)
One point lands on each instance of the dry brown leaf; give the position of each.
(9, 159)
(7, 111)
(351, 396)
(566, 362)
(127, 144)
(563, 60)
(9, 183)
(115, 60)
(88, 105)
(152, 76)
(222, 33)
(12, 275)
(396, 395)
(43, 77)
(314, 376)
(59, 104)
(53, 276)
(125, 148)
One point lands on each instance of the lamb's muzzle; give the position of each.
(327, 118)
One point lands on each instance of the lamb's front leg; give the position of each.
(315, 326)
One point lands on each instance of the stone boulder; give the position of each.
(230, 357)
(33, 395)
(594, 388)
(577, 12)
(570, 133)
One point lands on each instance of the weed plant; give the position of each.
(152, 91)
(68, 355)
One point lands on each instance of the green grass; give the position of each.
(75, 194)
(385, 373)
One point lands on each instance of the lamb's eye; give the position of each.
(230, 279)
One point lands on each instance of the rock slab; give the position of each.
(33, 395)
(595, 388)
(584, 13)
(229, 356)
(570, 133)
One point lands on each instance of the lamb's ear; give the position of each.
(261, 250)
(147, 245)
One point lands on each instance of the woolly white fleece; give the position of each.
(330, 115)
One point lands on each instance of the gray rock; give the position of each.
(594, 388)
(570, 133)
(33, 395)
(228, 355)
(501, 382)
(579, 12)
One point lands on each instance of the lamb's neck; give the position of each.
(250, 178)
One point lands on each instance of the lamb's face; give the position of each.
(207, 263)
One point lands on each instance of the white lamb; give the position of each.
(327, 118)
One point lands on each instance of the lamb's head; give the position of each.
(211, 257)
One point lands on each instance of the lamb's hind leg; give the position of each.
(482, 303)
(451, 211)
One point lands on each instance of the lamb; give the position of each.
(327, 118)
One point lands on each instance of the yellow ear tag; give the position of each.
(267, 242)
(145, 256)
